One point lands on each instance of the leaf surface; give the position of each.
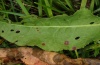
(56, 33)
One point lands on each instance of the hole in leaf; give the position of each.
(74, 48)
(11, 30)
(17, 31)
(2, 31)
(77, 38)
(66, 42)
(43, 44)
(91, 22)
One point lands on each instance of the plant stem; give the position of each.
(22, 7)
(83, 4)
(76, 53)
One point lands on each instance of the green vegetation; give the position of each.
(61, 14)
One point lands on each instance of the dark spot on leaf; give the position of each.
(16, 41)
(91, 22)
(43, 44)
(17, 31)
(11, 30)
(77, 38)
(2, 31)
(66, 42)
(23, 23)
(36, 28)
(74, 48)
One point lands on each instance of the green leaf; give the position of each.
(56, 33)
(96, 52)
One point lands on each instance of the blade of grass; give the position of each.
(2, 1)
(49, 10)
(69, 4)
(30, 18)
(92, 5)
(97, 10)
(22, 7)
(18, 14)
(3, 4)
(61, 4)
(40, 8)
(97, 2)
(28, 4)
(50, 7)
(13, 9)
(51, 2)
